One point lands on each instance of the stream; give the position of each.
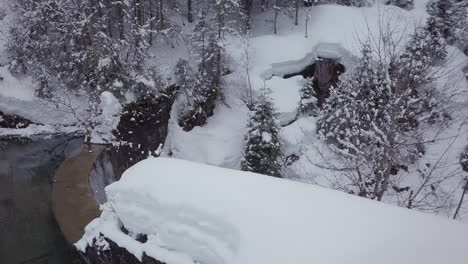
(28, 231)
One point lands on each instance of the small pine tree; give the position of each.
(308, 103)
(212, 65)
(460, 25)
(440, 20)
(184, 77)
(263, 147)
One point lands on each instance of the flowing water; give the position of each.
(28, 231)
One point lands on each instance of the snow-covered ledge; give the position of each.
(324, 50)
(195, 213)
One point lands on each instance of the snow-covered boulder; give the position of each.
(107, 119)
(194, 213)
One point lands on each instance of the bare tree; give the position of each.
(247, 64)
(296, 18)
(189, 11)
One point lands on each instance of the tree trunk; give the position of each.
(296, 22)
(137, 12)
(161, 17)
(151, 10)
(189, 11)
(324, 74)
(465, 189)
(247, 10)
(276, 17)
(120, 18)
(109, 18)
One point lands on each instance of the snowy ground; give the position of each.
(194, 213)
(219, 142)
(334, 32)
(272, 56)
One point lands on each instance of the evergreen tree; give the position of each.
(308, 103)
(440, 20)
(460, 25)
(374, 117)
(263, 147)
(360, 122)
(449, 19)
(185, 78)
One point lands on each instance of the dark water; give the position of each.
(28, 231)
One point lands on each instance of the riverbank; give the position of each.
(73, 202)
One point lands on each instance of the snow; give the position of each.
(220, 142)
(266, 137)
(286, 95)
(107, 120)
(194, 213)
(10, 86)
(39, 130)
(334, 32)
(323, 50)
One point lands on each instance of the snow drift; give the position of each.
(194, 213)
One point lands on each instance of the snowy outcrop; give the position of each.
(194, 213)
(333, 51)
(107, 119)
(143, 127)
(286, 91)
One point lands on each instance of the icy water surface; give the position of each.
(28, 231)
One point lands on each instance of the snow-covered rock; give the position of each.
(194, 213)
(107, 120)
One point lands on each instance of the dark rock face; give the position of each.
(200, 113)
(142, 128)
(406, 4)
(308, 72)
(13, 121)
(114, 255)
(326, 74)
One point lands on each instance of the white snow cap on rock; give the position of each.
(107, 120)
(194, 213)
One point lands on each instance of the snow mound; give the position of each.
(203, 214)
(286, 96)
